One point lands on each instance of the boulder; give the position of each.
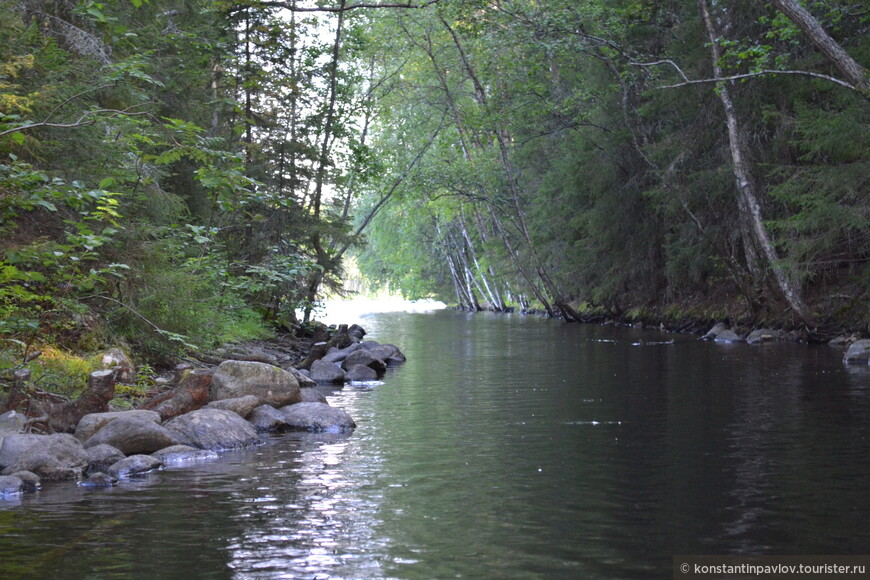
(763, 335)
(317, 417)
(362, 373)
(313, 396)
(10, 486)
(271, 384)
(714, 332)
(366, 358)
(11, 423)
(133, 436)
(57, 456)
(213, 429)
(268, 418)
(99, 479)
(183, 454)
(117, 360)
(842, 341)
(327, 372)
(102, 457)
(389, 353)
(93, 422)
(241, 406)
(728, 336)
(134, 465)
(301, 377)
(31, 480)
(337, 355)
(859, 352)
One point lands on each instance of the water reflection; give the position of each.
(505, 447)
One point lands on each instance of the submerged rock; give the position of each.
(10, 486)
(728, 336)
(317, 417)
(99, 479)
(135, 465)
(102, 457)
(31, 480)
(183, 454)
(859, 352)
(213, 429)
(764, 335)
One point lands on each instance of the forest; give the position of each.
(178, 174)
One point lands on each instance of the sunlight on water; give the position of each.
(356, 310)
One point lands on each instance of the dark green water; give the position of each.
(506, 447)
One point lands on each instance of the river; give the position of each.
(506, 447)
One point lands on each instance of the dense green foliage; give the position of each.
(160, 164)
(569, 168)
(178, 173)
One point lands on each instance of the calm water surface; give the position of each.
(506, 447)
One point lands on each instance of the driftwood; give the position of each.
(55, 414)
(192, 393)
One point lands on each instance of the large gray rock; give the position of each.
(326, 372)
(268, 418)
(337, 355)
(303, 379)
(361, 373)
(184, 454)
(31, 480)
(312, 396)
(58, 456)
(317, 417)
(10, 486)
(859, 352)
(241, 406)
(117, 360)
(11, 423)
(213, 429)
(93, 422)
(714, 332)
(102, 457)
(763, 335)
(366, 358)
(134, 465)
(270, 384)
(389, 353)
(133, 436)
(728, 336)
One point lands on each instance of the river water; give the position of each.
(506, 447)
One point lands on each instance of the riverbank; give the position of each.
(699, 319)
(253, 390)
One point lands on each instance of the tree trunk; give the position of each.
(748, 204)
(854, 72)
(190, 394)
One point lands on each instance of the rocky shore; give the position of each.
(202, 412)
